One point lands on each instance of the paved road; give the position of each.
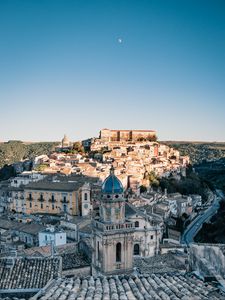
(195, 226)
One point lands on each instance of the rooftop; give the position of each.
(61, 183)
(71, 258)
(27, 273)
(53, 185)
(30, 228)
(160, 263)
(149, 286)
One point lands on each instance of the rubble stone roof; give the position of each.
(74, 260)
(30, 228)
(124, 287)
(28, 273)
(160, 263)
(71, 258)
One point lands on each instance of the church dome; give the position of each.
(65, 140)
(112, 185)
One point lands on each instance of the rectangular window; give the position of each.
(53, 206)
(98, 251)
(30, 204)
(152, 237)
(41, 205)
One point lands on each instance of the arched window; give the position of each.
(136, 249)
(85, 196)
(118, 252)
(136, 224)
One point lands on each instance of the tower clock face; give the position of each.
(86, 206)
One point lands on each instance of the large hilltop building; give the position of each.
(109, 135)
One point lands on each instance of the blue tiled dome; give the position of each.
(112, 185)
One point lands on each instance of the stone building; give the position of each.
(73, 195)
(112, 233)
(52, 197)
(121, 231)
(148, 231)
(109, 135)
(52, 235)
(65, 142)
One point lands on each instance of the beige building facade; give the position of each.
(53, 198)
(109, 135)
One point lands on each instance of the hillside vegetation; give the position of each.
(14, 151)
(199, 151)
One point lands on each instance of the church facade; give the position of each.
(112, 233)
(120, 232)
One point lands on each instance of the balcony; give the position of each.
(41, 199)
(52, 200)
(64, 201)
(30, 198)
(113, 227)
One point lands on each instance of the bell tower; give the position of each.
(112, 234)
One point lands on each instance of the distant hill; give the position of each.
(14, 151)
(199, 151)
(213, 172)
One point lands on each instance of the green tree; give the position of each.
(143, 189)
(40, 168)
(78, 147)
(153, 180)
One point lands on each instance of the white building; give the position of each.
(25, 178)
(52, 236)
(196, 200)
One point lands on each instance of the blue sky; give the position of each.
(62, 69)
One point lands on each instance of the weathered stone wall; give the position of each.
(84, 271)
(206, 258)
